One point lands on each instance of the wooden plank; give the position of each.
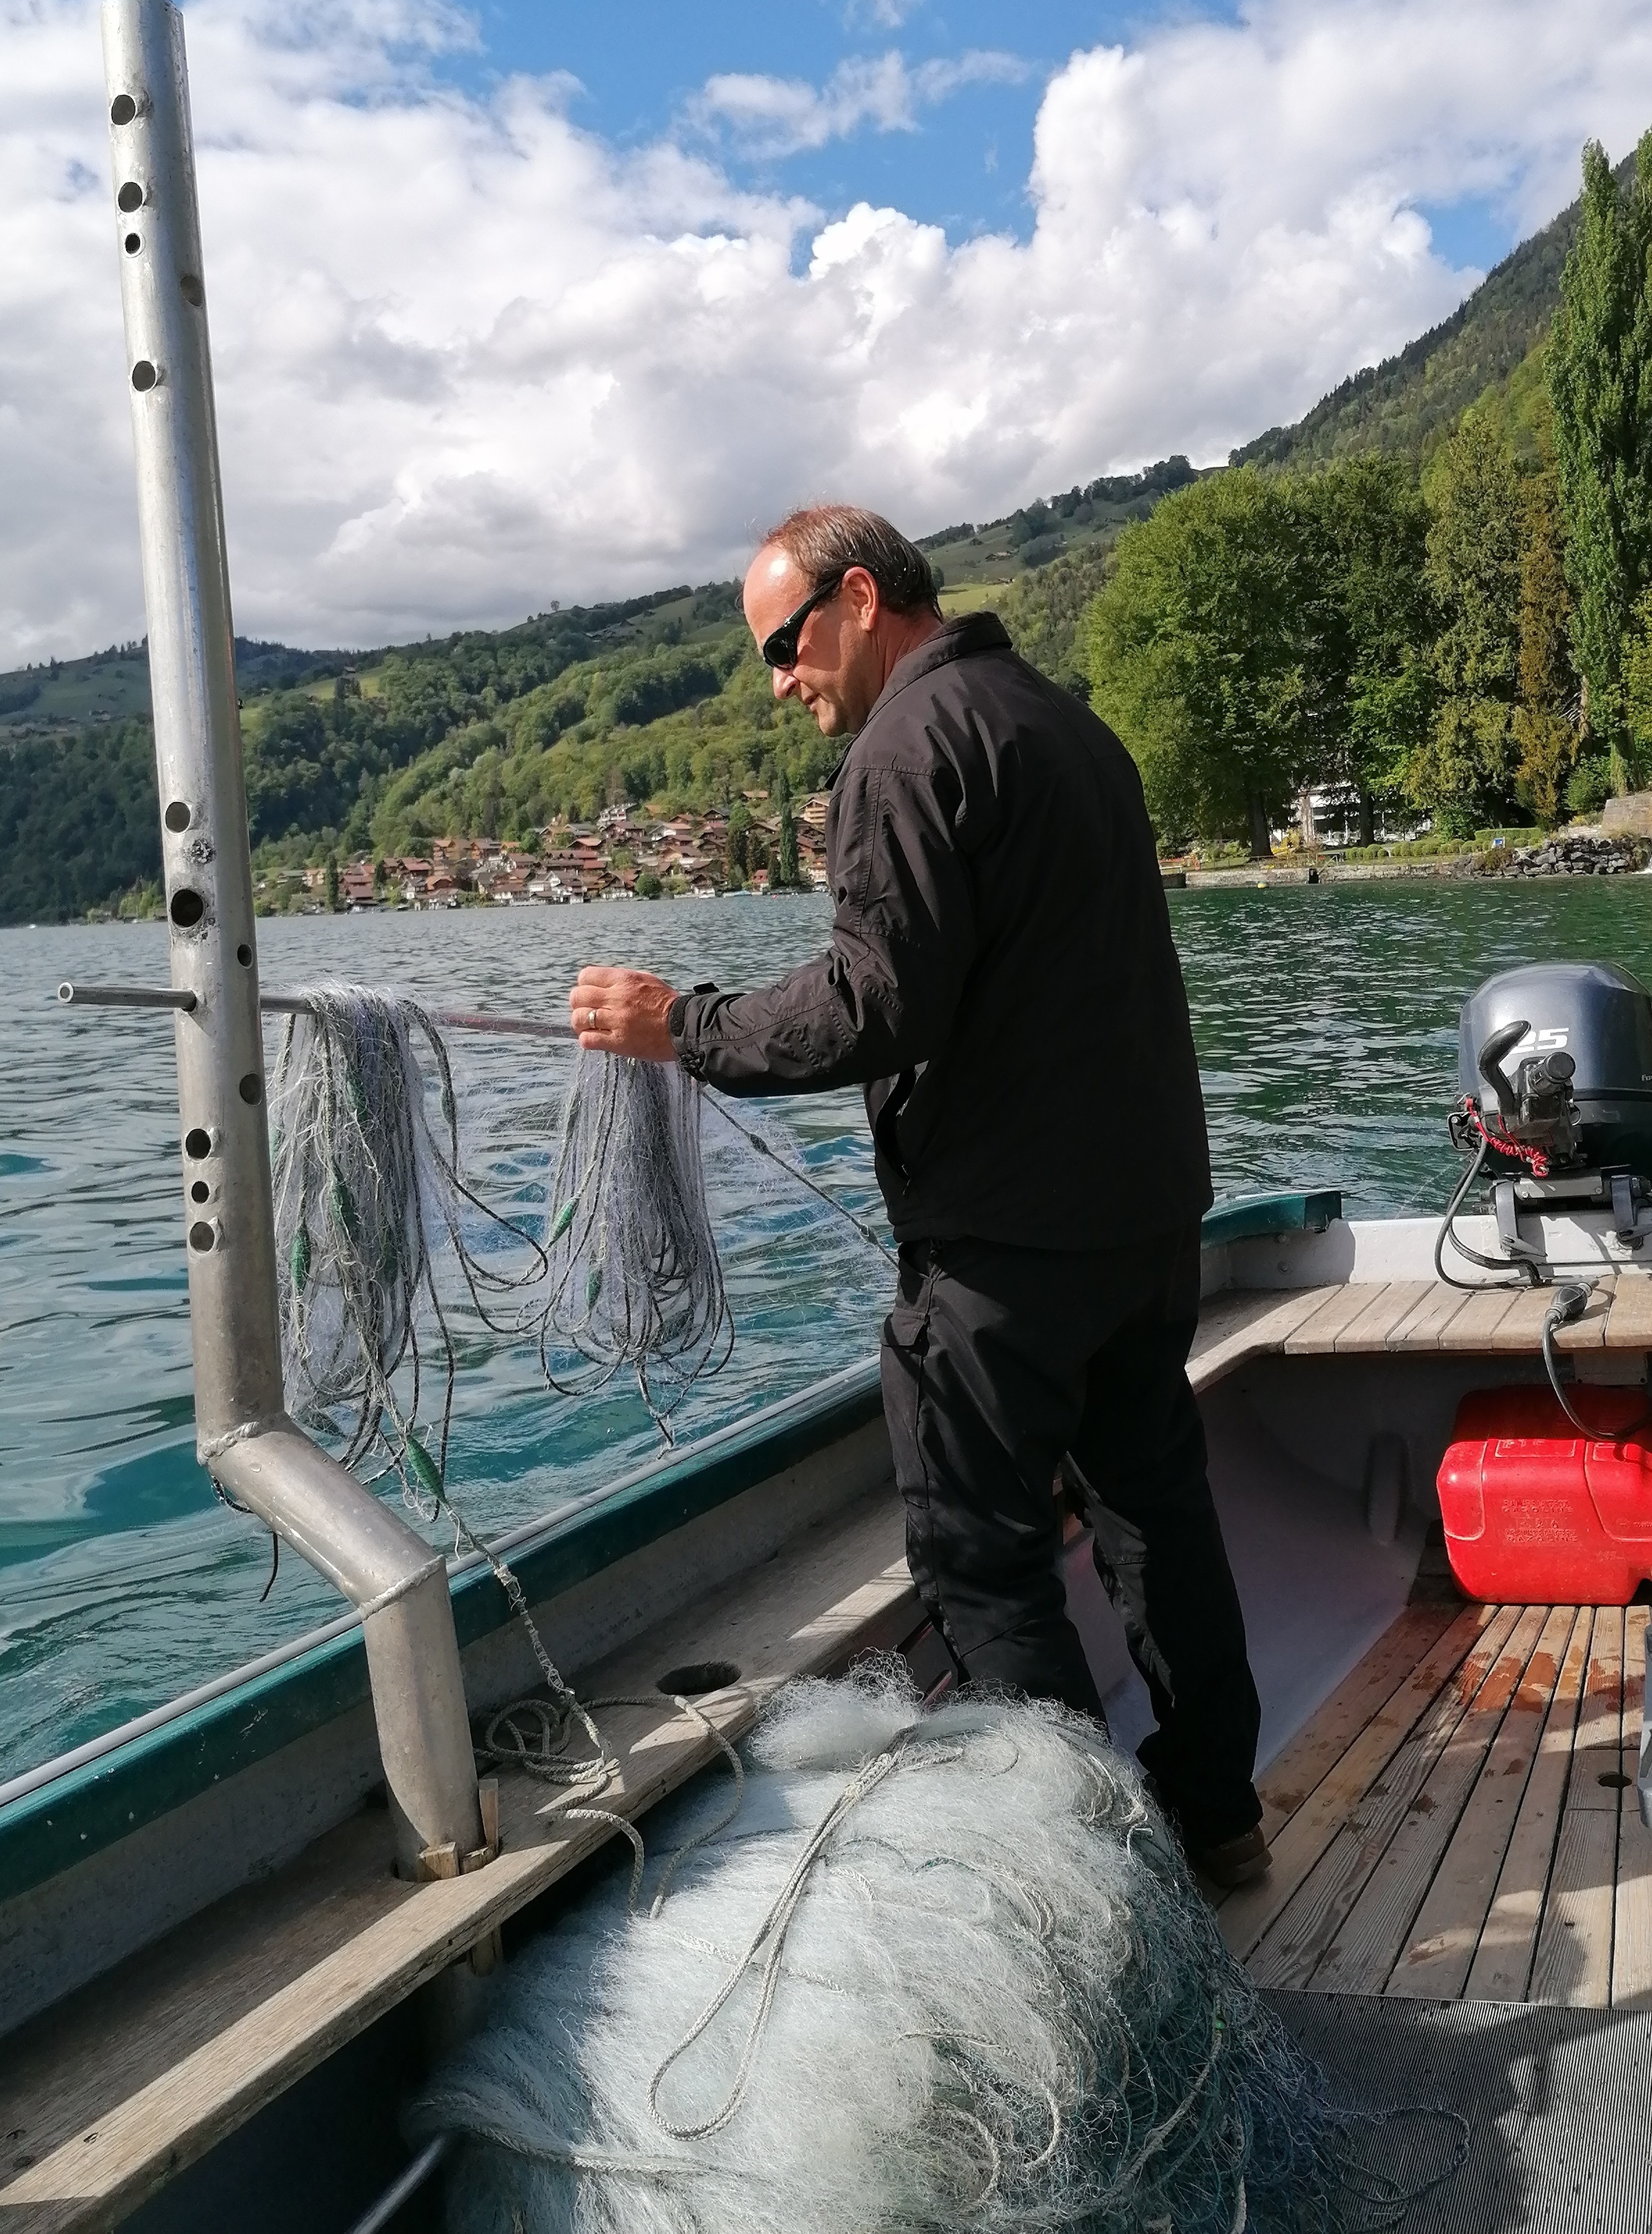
(1317, 1335)
(1501, 1970)
(1632, 1905)
(1437, 1955)
(1362, 1953)
(1600, 1718)
(1589, 1332)
(1302, 1763)
(1628, 1326)
(1520, 1328)
(1431, 1701)
(1475, 1325)
(1574, 1959)
(1423, 1325)
(1390, 1304)
(1573, 1963)
(1245, 1323)
(141, 2073)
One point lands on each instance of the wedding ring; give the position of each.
(590, 1019)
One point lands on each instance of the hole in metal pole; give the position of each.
(191, 291)
(198, 1142)
(199, 1191)
(201, 1235)
(186, 909)
(122, 109)
(177, 817)
(144, 377)
(133, 243)
(130, 197)
(244, 955)
(252, 1088)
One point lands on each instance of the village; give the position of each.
(626, 854)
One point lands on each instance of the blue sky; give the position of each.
(641, 63)
(515, 300)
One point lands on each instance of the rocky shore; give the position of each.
(1568, 853)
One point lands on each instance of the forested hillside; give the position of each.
(1343, 671)
(1454, 632)
(1406, 404)
(491, 734)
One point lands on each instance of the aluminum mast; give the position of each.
(243, 1433)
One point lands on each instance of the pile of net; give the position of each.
(941, 1970)
(386, 1251)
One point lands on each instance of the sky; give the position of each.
(520, 301)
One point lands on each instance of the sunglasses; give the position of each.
(780, 647)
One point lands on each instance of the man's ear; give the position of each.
(865, 602)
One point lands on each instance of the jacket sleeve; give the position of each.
(880, 1000)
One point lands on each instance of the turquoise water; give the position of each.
(1326, 1021)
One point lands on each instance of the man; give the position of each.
(1001, 980)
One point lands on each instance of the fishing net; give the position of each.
(635, 1278)
(942, 1971)
(380, 1238)
(367, 1193)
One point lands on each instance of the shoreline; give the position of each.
(1448, 867)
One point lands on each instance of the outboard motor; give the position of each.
(1545, 1494)
(1555, 1064)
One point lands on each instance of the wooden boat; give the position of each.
(205, 1950)
(233, 1932)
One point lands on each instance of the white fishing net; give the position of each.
(385, 1249)
(635, 1279)
(941, 1971)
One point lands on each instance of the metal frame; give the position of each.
(245, 1438)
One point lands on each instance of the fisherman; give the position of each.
(1001, 980)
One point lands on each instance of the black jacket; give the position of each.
(1001, 977)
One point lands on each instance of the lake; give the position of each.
(1326, 1019)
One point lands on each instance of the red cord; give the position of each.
(1500, 1140)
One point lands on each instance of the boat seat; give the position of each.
(1361, 1318)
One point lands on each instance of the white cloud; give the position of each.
(887, 14)
(770, 117)
(470, 358)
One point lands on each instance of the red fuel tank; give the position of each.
(1537, 1514)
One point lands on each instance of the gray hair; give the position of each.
(822, 540)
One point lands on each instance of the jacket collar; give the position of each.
(971, 632)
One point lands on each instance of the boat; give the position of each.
(234, 1932)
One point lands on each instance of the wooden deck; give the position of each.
(1458, 1820)
(1363, 1318)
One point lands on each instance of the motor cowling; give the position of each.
(1573, 1081)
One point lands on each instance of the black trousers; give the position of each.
(997, 1363)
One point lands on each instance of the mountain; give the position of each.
(1408, 402)
(494, 732)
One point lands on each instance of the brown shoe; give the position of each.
(1235, 1862)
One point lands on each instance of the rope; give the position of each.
(773, 1929)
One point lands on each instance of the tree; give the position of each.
(1637, 681)
(1197, 650)
(331, 882)
(786, 877)
(1599, 379)
(740, 833)
(1372, 618)
(1464, 771)
(1545, 729)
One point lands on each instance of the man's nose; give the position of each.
(785, 682)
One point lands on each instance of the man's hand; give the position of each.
(622, 1012)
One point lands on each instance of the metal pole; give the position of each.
(243, 1434)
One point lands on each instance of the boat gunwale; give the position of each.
(66, 1809)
